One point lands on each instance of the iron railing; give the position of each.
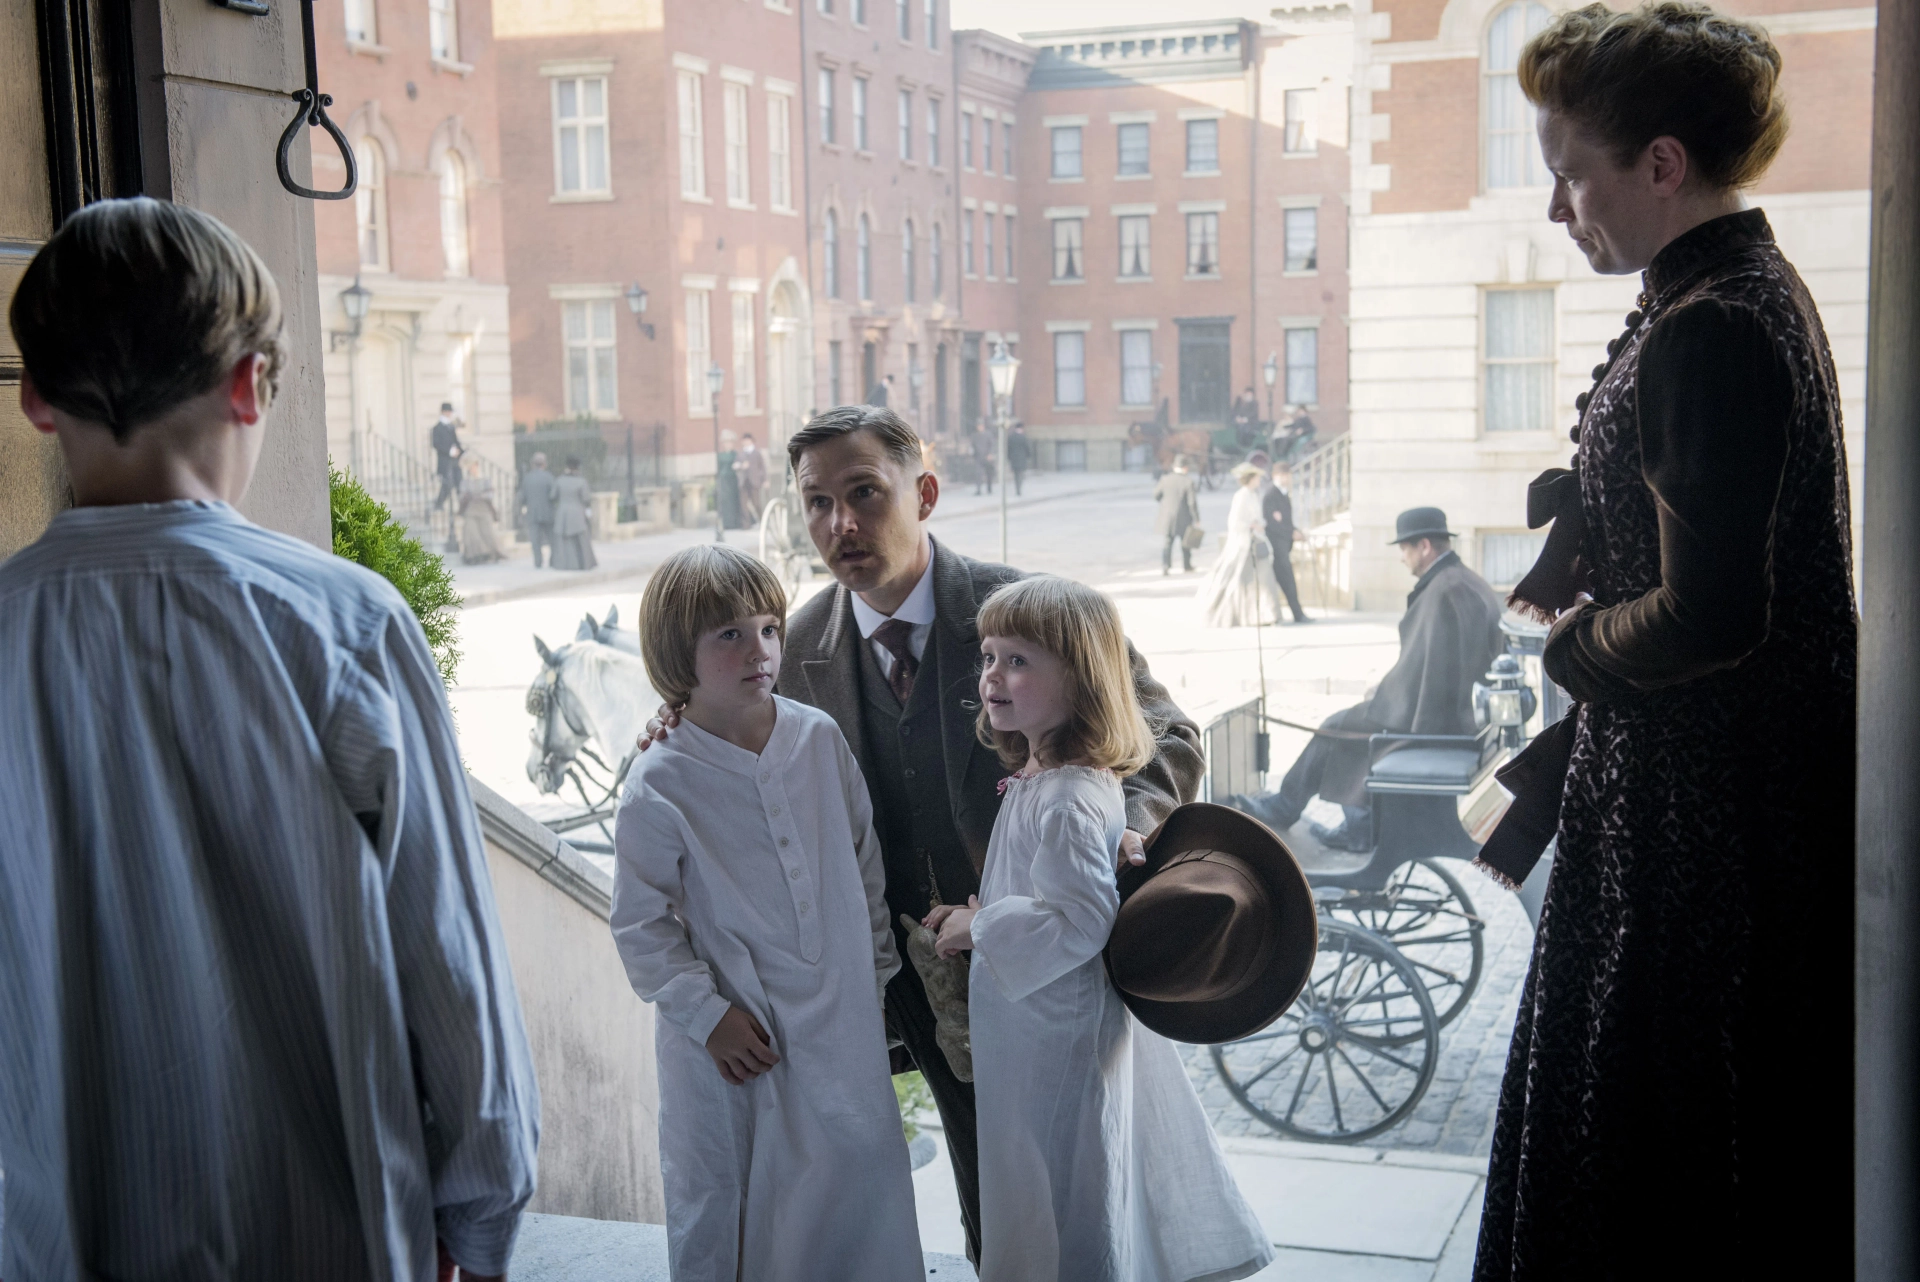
(408, 484)
(1323, 483)
(1236, 747)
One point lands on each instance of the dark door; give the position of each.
(1206, 375)
(969, 382)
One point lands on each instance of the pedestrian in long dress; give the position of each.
(750, 465)
(749, 908)
(1659, 1116)
(572, 520)
(535, 501)
(1177, 510)
(1097, 1163)
(1240, 591)
(256, 1016)
(726, 484)
(479, 537)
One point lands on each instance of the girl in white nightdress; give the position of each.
(1240, 589)
(748, 907)
(1096, 1161)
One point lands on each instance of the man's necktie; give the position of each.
(894, 634)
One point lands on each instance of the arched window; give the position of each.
(906, 259)
(453, 213)
(1512, 147)
(370, 204)
(863, 264)
(936, 261)
(830, 234)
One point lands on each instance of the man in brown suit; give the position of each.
(891, 652)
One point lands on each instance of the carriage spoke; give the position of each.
(1249, 1083)
(1375, 1048)
(1299, 1087)
(1364, 1080)
(1333, 1093)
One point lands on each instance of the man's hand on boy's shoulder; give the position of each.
(657, 727)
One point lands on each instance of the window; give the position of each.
(906, 125)
(739, 159)
(826, 6)
(933, 132)
(1136, 249)
(986, 146)
(936, 262)
(443, 30)
(1066, 151)
(1136, 367)
(860, 12)
(743, 359)
(699, 350)
(1070, 369)
(902, 10)
(860, 113)
(460, 382)
(1505, 558)
(370, 204)
(1303, 366)
(827, 134)
(588, 330)
(580, 134)
(986, 242)
(932, 19)
(362, 24)
(693, 163)
(1512, 147)
(1519, 348)
(1203, 146)
(1006, 147)
(1300, 137)
(1133, 149)
(1303, 239)
(1203, 244)
(907, 273)
(966, 241)
(780, 151)
(966, 139)
(836, 388)
(1010, 272)
(830, 241)
(1067, 252)
(453, 213)
(863, 259)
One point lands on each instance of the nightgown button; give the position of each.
(794, 873)
(804, 905)
(776, 810)
(783, 841)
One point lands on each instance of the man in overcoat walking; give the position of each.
(1277, 506)
(1179, 509)
(891, 653)
(534, 502)
(1449, 637)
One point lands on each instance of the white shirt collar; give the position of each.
(917, 609)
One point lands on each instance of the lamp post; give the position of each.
(1271, 372)
(1002, 369)
(637, 304)
(354, 300)
(716, 377)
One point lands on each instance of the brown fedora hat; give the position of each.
(1216, 931)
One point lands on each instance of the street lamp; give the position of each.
(1271, 372)
(1002, 369)
(716, 377)
(637, 304)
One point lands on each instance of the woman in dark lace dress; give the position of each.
(1677, 1101)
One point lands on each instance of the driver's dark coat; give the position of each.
(821, 669)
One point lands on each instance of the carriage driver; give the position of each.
(890, 654)
(1449, 636)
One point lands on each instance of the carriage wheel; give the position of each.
(789, 563)
(1426, 914)
(1351, 1057)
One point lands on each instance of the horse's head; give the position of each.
(560, 727)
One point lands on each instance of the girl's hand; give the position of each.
(956, 929)
(939, 914)
(740, 1048)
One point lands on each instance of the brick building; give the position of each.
(656, 227)
(1475, 321)
(414, 92)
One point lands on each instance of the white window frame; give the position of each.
(966, 244)
(862, 93)
(903, 15)
(736, 103)
(1144, 335)
(370, 210)
(1140, 245)
(933, 131)
(593, 342)
(966, 140)
(1289, 220)
(1006, 148)
(584, 127)
(1070, 379)
(1300, 122)
(1547, 360)
(909, 273)
(904, 109)
(1503, 80)
(932, 18)
(1007, 226)
(745, 305)
(699, 323)
(863, 259)
(1069, 250)
(362, 18)
(986, 244)
(1055, 153)
(936, 262)
(986, 143)
(829, 134)
(1198, 123)
(780, 152)
(830, 251)
(691, 89)
(456, 242)
(1120, 136)
(443, 30)
(1301, 367)
(1192, 241)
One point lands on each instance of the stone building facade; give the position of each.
(1475, 321)
(414, 90)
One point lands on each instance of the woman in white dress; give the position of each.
(1096, 1161)
(1240, 590)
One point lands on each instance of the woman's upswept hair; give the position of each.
(696, 590)
(1104, 727)
(1666, 68)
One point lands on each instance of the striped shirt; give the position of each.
(256, 1018)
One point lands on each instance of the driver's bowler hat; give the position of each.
(1420, 523)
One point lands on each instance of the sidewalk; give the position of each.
(1333, 1213)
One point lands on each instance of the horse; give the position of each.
(588, 694)
(609, 632)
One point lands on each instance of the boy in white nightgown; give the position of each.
(755, 881)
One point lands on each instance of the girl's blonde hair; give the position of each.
(695, 590)
(1081, 627)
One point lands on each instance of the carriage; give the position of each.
(1402, 946)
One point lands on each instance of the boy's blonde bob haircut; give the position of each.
(695, 591)
(1081, 627)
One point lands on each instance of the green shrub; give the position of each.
(914, 1096)
(365, 533)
